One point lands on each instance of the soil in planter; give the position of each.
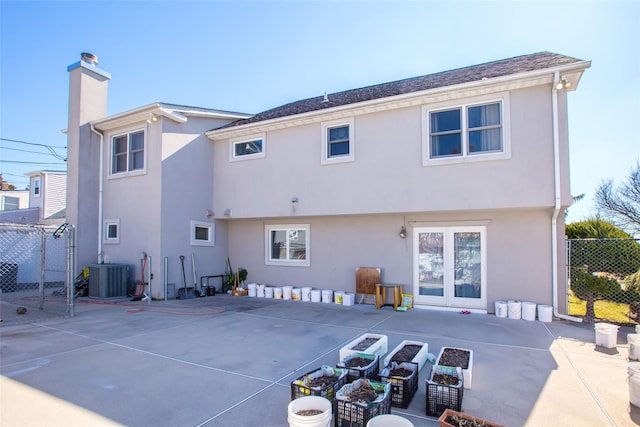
(400, 372)
(358, 362)
(365, 344)
(406, 353)
(445, 379)
(364, 394)
(309, 412)
(458, 421)
(455, 357)
(322, 381)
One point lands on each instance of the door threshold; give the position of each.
(442, 308)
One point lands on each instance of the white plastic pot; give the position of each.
(310, 402)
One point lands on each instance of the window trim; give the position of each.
(464, 105)
(268, 228)
(211, 226)
(128, 134)
(106, 224)
(246, 139)
(324, 141)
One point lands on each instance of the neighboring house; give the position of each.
(44, 202)
(13, 199)
(48, 193)
(454, 184)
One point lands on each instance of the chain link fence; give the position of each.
(603, 279)
(36, 272)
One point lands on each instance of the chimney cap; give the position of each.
(89, 58)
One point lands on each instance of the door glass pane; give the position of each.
(431, 263)
(467, 260)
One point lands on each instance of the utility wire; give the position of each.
(32, 143)
(48, 147)
(29, 163)
(25, 151)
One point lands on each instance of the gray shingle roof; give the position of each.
(518, 64)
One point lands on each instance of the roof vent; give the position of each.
(326, 98)
(89, 58)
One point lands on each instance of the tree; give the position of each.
(594, 228)
(621, 205)
(590, 287)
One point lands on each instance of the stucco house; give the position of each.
(453, 183)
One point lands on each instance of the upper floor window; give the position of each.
(127, 152)
(337, 141)
(248, 148)
(36, 187)
(466, 131)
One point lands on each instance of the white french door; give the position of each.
(450, 266)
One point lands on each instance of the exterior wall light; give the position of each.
(403, 232)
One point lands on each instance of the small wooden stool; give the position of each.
(381, 295)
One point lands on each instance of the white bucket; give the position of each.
(327, 295)
(545, 313)
(306, 294)
(348, 298)
(310, 402)
(501, 308)
(606, 335)
(296, 294)
(529, 311)
(633, 369)
(315, 295)
(253, 289)
(515, 309)
(389, 420)
(338, 297)
(286, 292)
(268, 292)
(277, 292)
(634, 346)
(260, 291)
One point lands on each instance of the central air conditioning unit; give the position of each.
(108, 280)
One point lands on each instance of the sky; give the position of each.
(249, 56)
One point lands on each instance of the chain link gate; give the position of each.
(36, 272)
(603, 280)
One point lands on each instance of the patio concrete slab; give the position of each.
(229, 361)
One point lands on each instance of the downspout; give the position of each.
(100, 190)
(558, 203)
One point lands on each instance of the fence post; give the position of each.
(43, 263)
(71, 284)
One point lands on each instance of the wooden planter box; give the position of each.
(448, 419)
(419, 359)
(467, 372)
(378, 348)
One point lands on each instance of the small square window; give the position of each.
(202, 233)
(111, 231)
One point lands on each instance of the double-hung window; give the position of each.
(287, 244)
(127, 153)
(337, 141)
(468, 132)
(246, 148)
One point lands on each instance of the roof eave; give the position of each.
(572, 72)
